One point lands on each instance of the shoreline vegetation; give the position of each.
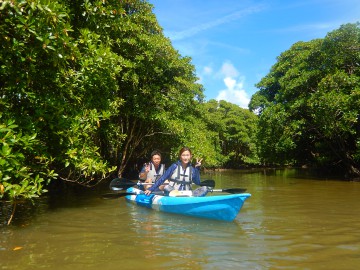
(323, 172)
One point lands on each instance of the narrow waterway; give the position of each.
(291, 221)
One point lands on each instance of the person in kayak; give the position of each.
(180, 174)
(153, 170)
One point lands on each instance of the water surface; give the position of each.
(291, 221)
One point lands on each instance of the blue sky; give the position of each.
(234, 43)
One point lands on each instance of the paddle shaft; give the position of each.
(123, 194)
(123, 183)
(230, 190)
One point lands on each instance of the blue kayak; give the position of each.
(219, 207)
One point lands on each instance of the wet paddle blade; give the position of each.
(235, 190)
(120, 184)
(207, 183)
(108, 196)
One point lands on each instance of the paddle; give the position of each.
(123, 183)
(230, 190)
(123, 194)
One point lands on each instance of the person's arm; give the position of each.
(196, 172)
(144, 171)
(196, 175)
(162, 179)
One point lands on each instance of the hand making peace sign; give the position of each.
(198, 162)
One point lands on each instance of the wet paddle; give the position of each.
(120, 184)
(207, 183)
(115, 195)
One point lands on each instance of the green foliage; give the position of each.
(50, 83)
(17, 179)
(82, 158)
(95, 80)
(309, 103)
(233, 130)
(100, 86)
(194, 134)
(153, 81)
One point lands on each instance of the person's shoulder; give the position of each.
(173, 165)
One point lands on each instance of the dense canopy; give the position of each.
(309, 104)
(89, 88)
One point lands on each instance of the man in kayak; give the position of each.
(153, 170)
(180, 174)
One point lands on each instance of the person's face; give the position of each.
(185, 157)
(156, 159)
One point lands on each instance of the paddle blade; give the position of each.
(234, 190)
(120, 184)
(208, 183)
(108, 196)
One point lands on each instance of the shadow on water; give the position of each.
(58, 196)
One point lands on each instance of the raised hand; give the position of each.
(147, 167)
(198, 162)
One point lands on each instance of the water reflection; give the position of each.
(185, 242)
(290, 222)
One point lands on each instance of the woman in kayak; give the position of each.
(180, 174)
(153, 170)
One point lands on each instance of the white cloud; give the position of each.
(234, 92)
(207, 70)
(228, 70)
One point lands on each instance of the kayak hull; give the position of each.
(219, 207)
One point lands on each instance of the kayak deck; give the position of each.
(218, 207)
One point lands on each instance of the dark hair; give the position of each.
(182, 150)
(155, 152)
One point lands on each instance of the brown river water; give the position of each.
(291, 221)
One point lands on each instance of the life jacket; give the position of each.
(153, 174)
(181, 179)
